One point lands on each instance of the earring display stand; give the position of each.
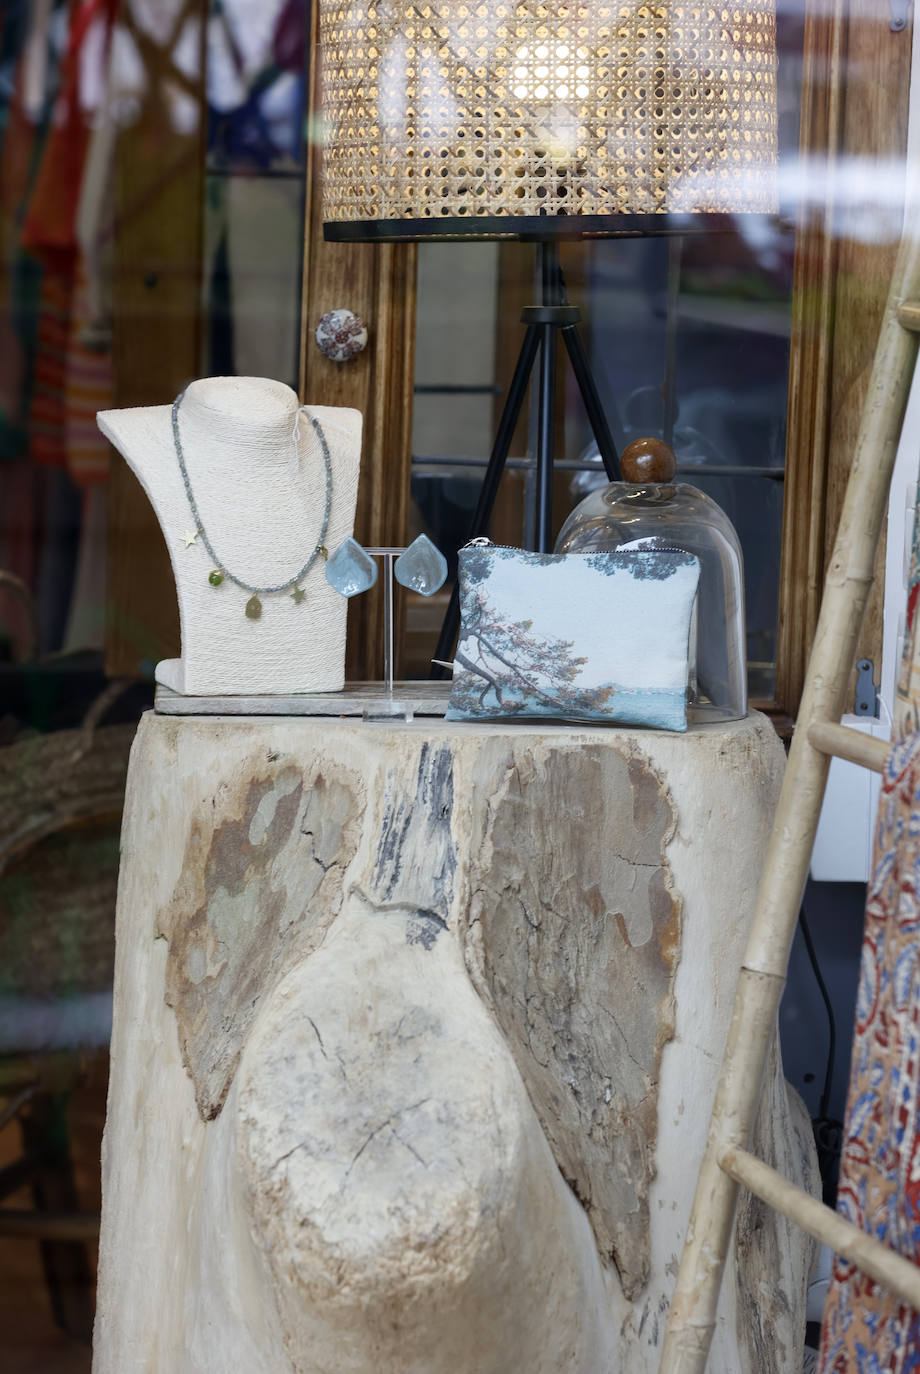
(374, 701)
(389, 556)
(394, 703)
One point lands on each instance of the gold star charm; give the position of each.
(297, 595)
(190, 538)
(323, 551)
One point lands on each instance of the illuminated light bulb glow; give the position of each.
(552, 108)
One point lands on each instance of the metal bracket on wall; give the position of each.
(899, 12)
(867, 698)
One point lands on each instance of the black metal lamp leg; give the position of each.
(551, 295)
(546, 425)
(592, 401)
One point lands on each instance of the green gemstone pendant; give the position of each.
(215, 578)
(253, 607)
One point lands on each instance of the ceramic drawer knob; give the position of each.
(341, 335)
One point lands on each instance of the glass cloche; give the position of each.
(647, 509)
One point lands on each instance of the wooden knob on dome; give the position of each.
(648, 460)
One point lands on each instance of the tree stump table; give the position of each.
(417, 1029)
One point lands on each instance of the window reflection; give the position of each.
(688, 339)
(254, 188)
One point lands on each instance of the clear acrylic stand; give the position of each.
(389, 705)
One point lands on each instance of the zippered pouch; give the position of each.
(592, 636)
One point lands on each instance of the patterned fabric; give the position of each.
(593, 636)
(866, 1330)
(907, 700)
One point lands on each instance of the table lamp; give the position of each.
(543, 120)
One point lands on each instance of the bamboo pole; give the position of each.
(909, 315)
(841, 742)
(760, 985)
(899, 1275)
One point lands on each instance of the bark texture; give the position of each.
(575, 936)
(416, 1034)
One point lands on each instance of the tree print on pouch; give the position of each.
(540, 631)
(518, 666)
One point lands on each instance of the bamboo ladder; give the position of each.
(727, 1162)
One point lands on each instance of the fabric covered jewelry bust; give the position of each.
(260, 484)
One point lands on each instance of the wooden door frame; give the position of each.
(377, 282)
(855, 104)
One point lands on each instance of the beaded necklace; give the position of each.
(220, 572)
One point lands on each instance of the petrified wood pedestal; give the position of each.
(416, 1034)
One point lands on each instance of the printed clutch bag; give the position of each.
(576, 636)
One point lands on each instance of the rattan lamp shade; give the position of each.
(439, 114)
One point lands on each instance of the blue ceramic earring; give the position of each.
(351, 570)
(422, 568)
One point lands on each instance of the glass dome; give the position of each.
(649, 509)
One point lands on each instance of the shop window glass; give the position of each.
(254, 189)
(688, 340)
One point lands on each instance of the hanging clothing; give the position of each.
(65, 370)
(866, 1330)
(30, 77)
(55, 335)
(907, 700)
(88, 388)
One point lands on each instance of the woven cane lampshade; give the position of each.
(543, 116)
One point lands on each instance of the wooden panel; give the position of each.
(378, 282)
(516, 289)
(854, 106)
(875, 117)
(159, 199)
(802, 560)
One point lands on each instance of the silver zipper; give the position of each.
(481, 542)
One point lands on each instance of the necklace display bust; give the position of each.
(260, 479)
